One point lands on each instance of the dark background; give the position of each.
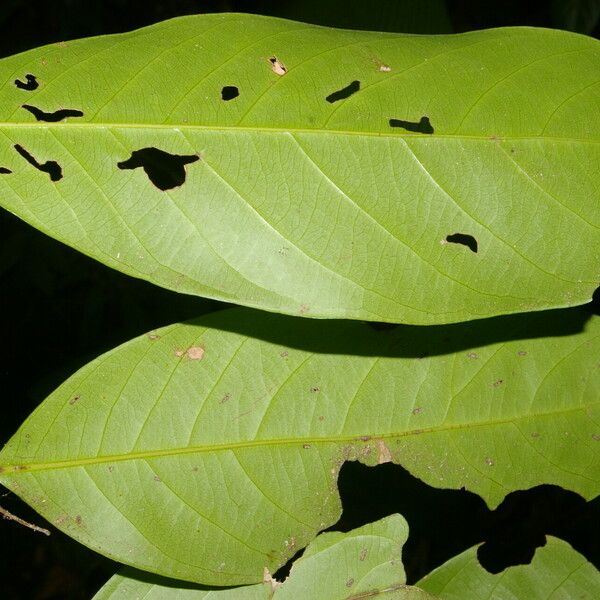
(60, 309)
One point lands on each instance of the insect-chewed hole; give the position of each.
(52, 117)
(422, 126)
(29, 84)
(51, 167)
(5, 171)
(277, 66)
(344, 93)
(464, 239)
(229, 92)
(166, 171)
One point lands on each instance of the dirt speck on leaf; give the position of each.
(277, 66)
(384, 454)
(74, 399)
(314, 389)
(498, 382)
(225, 398)
(473, 355)
(489, 462)
(153, 337)
(385, 68)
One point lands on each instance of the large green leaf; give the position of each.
(305, 201)
(556, 572)
(203, 452)
(364, 563)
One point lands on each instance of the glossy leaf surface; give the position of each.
(317, 172)
(209, 450)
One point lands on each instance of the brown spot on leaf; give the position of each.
(473, 355)
(306, 446)
(74, 399)
(226, 397)
(363, 554)
(498, 382)
(489, 462)
(417, 410)
(78, 520)
(521, 353)
(153, 337)
(314, 389)
(596, 437)
(350, 582)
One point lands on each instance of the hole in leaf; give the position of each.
(229, 92)
(29, 84)
(51, 166)
(520, 525)
(53, 117)
(443, 522)
(423, 126)
(4, 171)
(165, 171)
(464, 239)
(344, 93)
(277, 66)
(284, 571)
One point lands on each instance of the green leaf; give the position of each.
(556, 571)
(365, 562)
(209, 450)
(313, 207)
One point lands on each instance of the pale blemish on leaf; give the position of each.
(269, 579)
(193, 353)
(277, 66)
(384, 455)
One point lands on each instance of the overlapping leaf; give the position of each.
(321, 172)
(207, 451)
(364, 563)
(556, 571)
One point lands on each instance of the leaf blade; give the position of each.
(180, 435)
(303, 206)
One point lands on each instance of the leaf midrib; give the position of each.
(258, 129)
(23, 468)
